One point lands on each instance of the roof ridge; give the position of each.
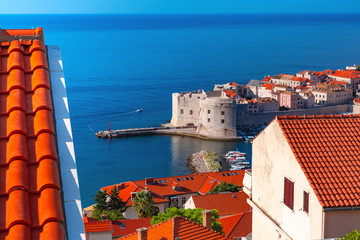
(324, 116)
(242, 215)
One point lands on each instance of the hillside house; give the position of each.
(304, 182)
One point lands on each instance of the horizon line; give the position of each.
(250, 13)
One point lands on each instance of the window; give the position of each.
(191, 112)
(208, 111)
(187, 178)
(191, 178)
(160, 181)
(165, 181)
(222, 113)
(289, 193)
(208, 119)
(306, 202)
(183, 200)
(181, 111)
(178, 179)
(182, 179)
(222, 120)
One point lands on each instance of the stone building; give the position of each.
(350, 77)
(213, 112)
(332, 95)
(290, 100)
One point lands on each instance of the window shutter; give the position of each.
(306, 202)
(288, 193)
(291, 195)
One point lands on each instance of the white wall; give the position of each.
(99, 236)
(272, 161)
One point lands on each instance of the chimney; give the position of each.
(206, 214)
(149, 181)
(133, 195)
(142, 233)
(121, 186)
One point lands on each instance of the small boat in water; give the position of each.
(248, 138)
(237, 160)
(139, 110)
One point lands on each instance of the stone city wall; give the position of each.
(245, 120)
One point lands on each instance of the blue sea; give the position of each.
(115, 64)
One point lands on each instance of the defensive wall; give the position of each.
(246, 120)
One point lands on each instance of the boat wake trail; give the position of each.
(91, 129)
(109, 114)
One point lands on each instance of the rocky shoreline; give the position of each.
(197, 163)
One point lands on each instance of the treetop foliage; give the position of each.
(191, 214)
(225, 187)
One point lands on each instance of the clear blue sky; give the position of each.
(178, 6)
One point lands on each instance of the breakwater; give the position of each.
(182, 131)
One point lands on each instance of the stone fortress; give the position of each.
(223, 111)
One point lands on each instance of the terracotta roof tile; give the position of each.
(235, 202)
(30, 203)
(127, 226)
(98, 226)
(327, 148)
(178, 227)
(193, 183)
(238, 225)
(345, 74)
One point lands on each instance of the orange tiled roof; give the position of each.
(299, 79)
(178, 227)
(345, 74)
(127, 226)
(238, 225)
(269, 86)
(327, 149)
(117, 227)
(230, 94)
(98, 226)
(193, 183)
(235, 202)
(266, 79)
(30, 203)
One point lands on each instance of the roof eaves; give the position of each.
(68, 170)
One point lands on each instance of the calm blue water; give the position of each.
(115, 64)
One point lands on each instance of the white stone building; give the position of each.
(332, 95)
(304, 182)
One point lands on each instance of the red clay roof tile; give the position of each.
(235, 202)
(193, 183)
(30, 203)
(333, 146)
(238, 225)
(178, 227)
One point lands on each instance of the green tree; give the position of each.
(109, 205)
(225, 187)
(144, 205)
(115, 203)
(191, 214)
(100, 200)
(358, 68)
(352, 235)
